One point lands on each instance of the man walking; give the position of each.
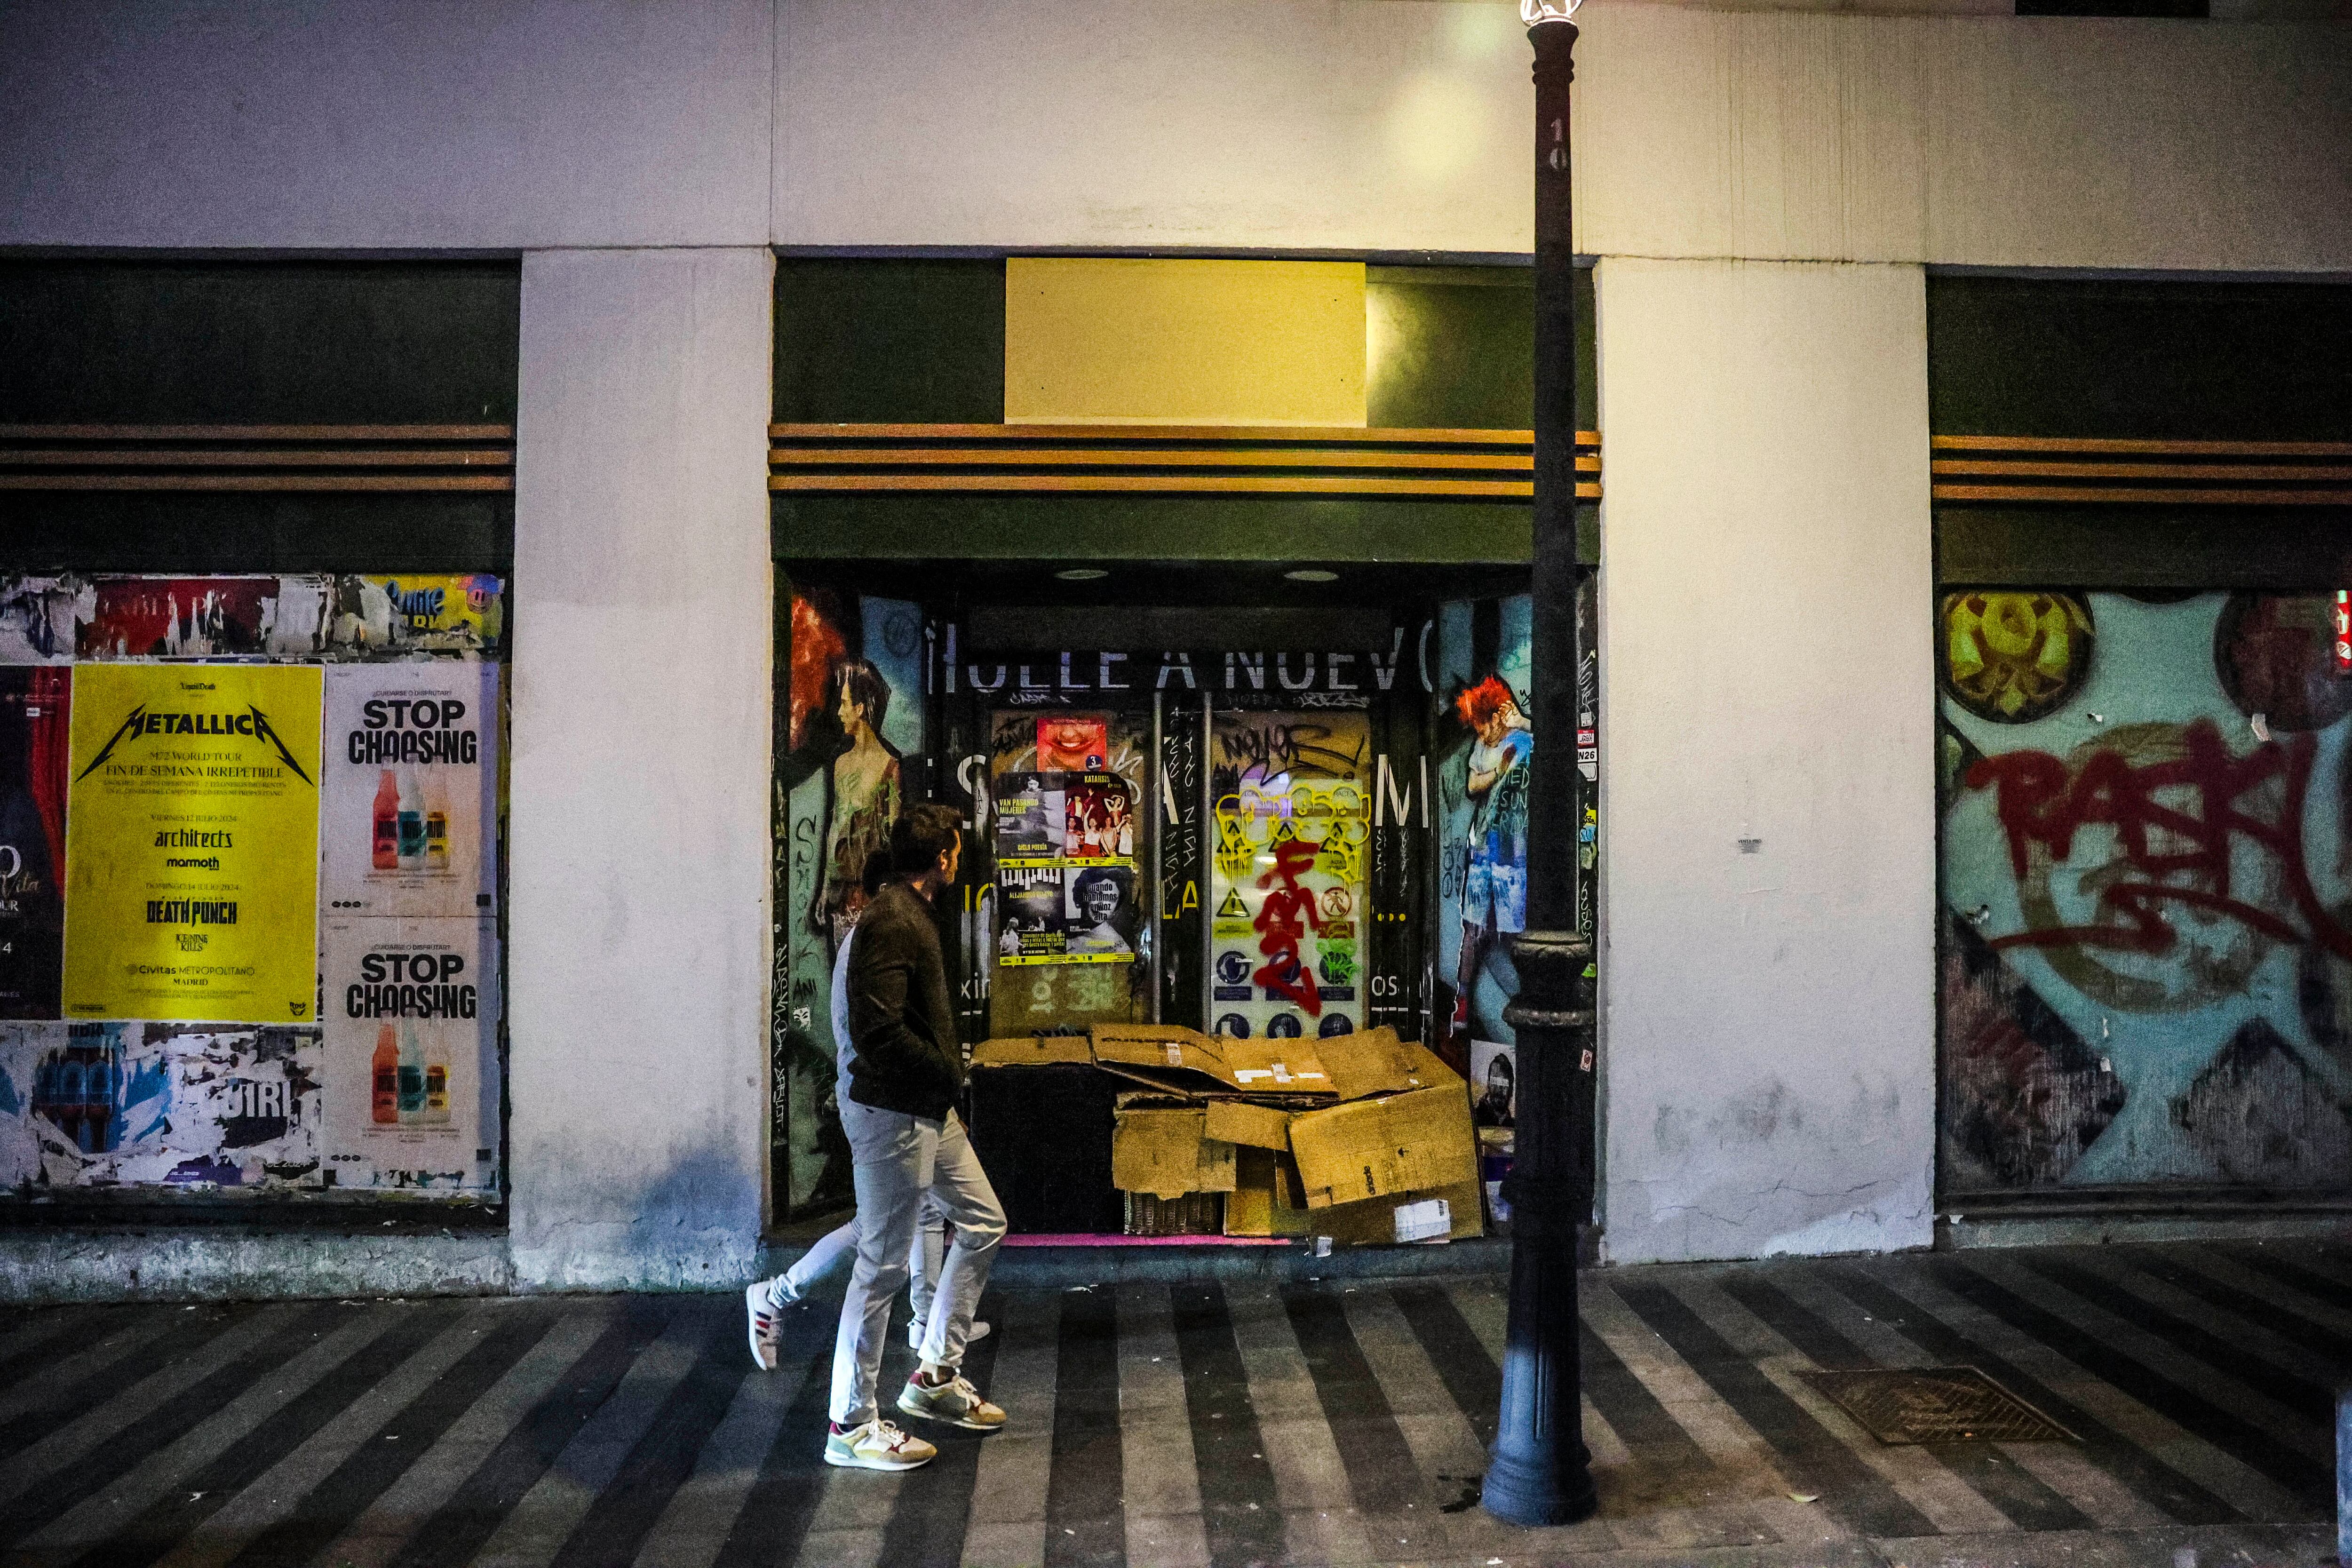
(905, 1140)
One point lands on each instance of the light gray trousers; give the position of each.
(897, 1158)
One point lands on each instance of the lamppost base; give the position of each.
(1535, 1493)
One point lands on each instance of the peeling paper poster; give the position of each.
(117, 1104)
(203, 617)
(432, 612)
(38, 617)
(410, 818)
(412, 1042)
(192, 863)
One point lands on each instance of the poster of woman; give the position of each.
(867, 793)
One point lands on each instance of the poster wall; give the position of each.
(192, 794)
(1288, 884)
(409, 1015)
(410, 790)
(192, 843)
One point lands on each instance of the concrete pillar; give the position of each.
(1768, 761)
(637, 975)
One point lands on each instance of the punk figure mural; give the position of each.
(1494, 872)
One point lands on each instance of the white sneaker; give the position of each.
(877, 1445)
(979, 1331)
(955, 1402)
(758, 1306)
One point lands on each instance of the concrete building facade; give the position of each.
(1767, 193)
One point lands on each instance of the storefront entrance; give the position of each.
(1226, 798)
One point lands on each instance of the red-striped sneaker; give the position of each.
(764, 1327)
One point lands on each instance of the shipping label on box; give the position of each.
(1376, 1147)
(1404, 1217)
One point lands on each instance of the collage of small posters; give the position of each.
(1066, 844)
(202, 780)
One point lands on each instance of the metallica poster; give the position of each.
(193, 843)
(409, 822)
(410, 1011)
(34, 738)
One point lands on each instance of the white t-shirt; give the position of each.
(844, 1051)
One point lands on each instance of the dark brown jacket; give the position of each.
(901, 1019)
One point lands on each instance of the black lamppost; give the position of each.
(1540, 1472)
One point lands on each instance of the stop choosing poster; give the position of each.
(192, 857)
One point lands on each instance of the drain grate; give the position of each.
(1936, 1405)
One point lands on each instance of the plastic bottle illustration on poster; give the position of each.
(855, 716)
(411, 789)
(409, 1022)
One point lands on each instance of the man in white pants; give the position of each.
(764, 1299)
(905, 1140)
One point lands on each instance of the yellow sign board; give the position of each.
(193, 843)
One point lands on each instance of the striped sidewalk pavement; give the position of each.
(1202, 1424)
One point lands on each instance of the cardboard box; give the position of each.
(1171, 1057)
(1049, 1050)
(1165, 1150)
(1415, 1142)
(1267, 1199)
(1195, 1214)
(1239, 1121)
(1414, 1216)
(1376, 1061)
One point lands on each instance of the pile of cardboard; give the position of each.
(1362, 1138)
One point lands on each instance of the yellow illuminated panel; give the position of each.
(1093, 341)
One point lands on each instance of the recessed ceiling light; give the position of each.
(1081, 573)
(1312, 574)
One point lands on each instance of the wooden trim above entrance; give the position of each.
(2141, 472)
(257, 457)
(1215, 459)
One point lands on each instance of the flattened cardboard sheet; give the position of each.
(1375, 1061)
(1256, 1126)
(1049, 1050)
(1187, 1060)
(1163, 1152)
(1267, 1199)
(1378, 1148)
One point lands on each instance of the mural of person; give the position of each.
(866, 795)
(1495, 885)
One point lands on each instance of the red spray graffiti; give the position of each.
(1287, 914)
(2174, 821)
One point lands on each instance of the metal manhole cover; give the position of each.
(1936, 1405)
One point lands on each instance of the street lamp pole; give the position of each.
(1540, 1471)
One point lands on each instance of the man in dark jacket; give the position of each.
(905, 1140)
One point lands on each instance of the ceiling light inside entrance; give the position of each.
(1081, 573)
(1312, 574)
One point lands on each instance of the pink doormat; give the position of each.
(1091, 1239)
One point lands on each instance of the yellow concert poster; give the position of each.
(192, 843)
